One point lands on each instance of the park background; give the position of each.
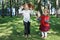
(12, 28)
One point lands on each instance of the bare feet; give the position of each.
(26, 36)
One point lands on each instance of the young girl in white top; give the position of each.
(26, 18)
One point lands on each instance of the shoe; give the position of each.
(29, 35)
(25, 36)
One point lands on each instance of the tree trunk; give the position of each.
(57, 6)
(11, 8)
(49, 6)
(16, 7)
(39, 7)
(2, 9)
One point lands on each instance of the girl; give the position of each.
(44, 24)
(26, 19)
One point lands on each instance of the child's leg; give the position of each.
(42, 34)
(25, 28)
(45, 34)
(28, 27)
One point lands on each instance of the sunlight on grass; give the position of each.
(58, 22)
(5, 33)
(13, 29)
(52, 32)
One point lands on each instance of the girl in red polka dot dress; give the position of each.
(44, 24)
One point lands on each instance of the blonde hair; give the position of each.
(46, 11)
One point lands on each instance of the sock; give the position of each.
(45, 34)
(42, 34)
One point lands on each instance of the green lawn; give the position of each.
(13, 29)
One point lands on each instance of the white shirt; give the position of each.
(26, 14)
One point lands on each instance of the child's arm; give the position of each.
(47, 21)
(39, 18)
(32, 12)
(20, 10)
(38, 15)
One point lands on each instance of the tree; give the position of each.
(16, 6)
(11, 8)
(39, 6)
(2, 9)
(49, 5)
(57, 6)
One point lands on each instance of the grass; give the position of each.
(13, 29)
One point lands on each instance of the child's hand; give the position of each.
(39, 19)
(37, 14)
(47, 21)
(22, 7)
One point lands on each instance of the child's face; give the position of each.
(46, 12)
(26, 7)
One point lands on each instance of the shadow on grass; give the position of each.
(8, 19)
(55, 25)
